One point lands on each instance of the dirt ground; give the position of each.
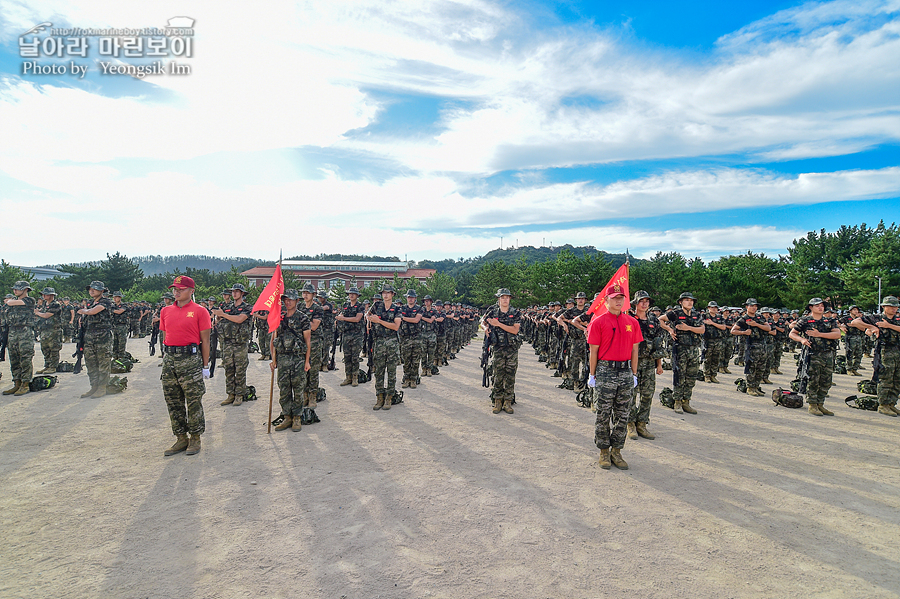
(440, 498)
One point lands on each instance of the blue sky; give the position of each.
(433, 129)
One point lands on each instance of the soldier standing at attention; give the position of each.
(817, 333)
(440, 330)
(410, 339)
(349, 323)
(68, 319)
(384, 320)
(50, 320)
(119, 319)
(184, 327)
(97, 339)
(234, 327)
(614, 339)
(577, 341)
(291, 349)
(715, 341)
(261, 317)
(887, 325)
(327, 327)
(315, 315)
(429, 335)
(502, 322)
(689, 330)
(19, 318)
(649, 365)
(754, 327)
(854, 342)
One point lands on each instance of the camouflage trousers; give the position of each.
(235, 363)
(730, 343)
(613, 400)
(120, 336)
(889, 376)
(640, 410)
(779, 351)
(21, 352)
(770, 358)
(291, 382)
(410, 355)
(855, 345)
(97, 357)
(577, 354)
(755, 365)
(715, 356)
(741, 349)
(264, 338)
(441, 351)
(506, 362)
(429, 349)
(384, 363)
(821, 370)
(183, 388)
(688, 358)
(315, 363)
(351, 347)
(327, 341)
(51, 343)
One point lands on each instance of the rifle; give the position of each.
(154, 337)
(213, 350)
(876, 359)
(486, 361)
(676, 369)
(334, 344)
(803, 369)
(4, 341)
(79, 349)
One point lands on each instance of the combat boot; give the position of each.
(824, 411)
(895, 410)
(498, 407)
(355, 380)
(228, 401)
(380, 401)
(755, 392)
(712, 379)
(24, 388)
(180, 445)
(814, 410)
(677, 407)
(297, 424)
(16, 384)
(87, 393)
(285, 424)
(686, 406)
(388, 400)
(632, 433)
(853, 373)
(882, 409)
(776, 371)
(766, 381)
(507, 406)
(404, 384)
(707, 378)
(615, 455)
(604, 459)
(239, 398)
(100, 392)
(346, 381)
(641, 428)
(311, 397)
(193, 445)
(725, 370)
(412, 383)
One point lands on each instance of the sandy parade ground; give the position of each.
(440, 498)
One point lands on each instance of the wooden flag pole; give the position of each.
(272, 382)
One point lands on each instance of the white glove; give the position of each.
(592, 382)
(635, 381)
(206, 373)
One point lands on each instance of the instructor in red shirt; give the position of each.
(184, 327)
(613, 338)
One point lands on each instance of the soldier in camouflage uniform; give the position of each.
(350, 325)
(429, 335)
(235, 326)
(687, 334)
(577, 340)
(264, 338)
(184, 327)
(501, 323)
(753, 327)
(119, 318)
(20, 344)
(410, 339)
(854, 341)
(715, 337)
(50, 322)
(384, 320)
(440, 329)
(68, 318)
(97, 339)
(327, 327)
(779, 327)
(887, 327)
(615, 368)
(817, 334)
(650, 354)
(290, 349)
(315, 315)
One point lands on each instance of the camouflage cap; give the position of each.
(48, 291)
(387, 288)
(428, 298)
(322, 293)
(239, 287)
(815, 301)
(226, 292)
(308, 288)
(9, 296)
(751, 302)
(581, 295)
(570, 300)
(353, 290)
(65, 299)
(97, 285)
(639, 295)
(171, 296)
(712, 304)
(290, 294)
(503, 291)
(411, 293)
(655, 309)
(439, 303)
(890, 300)
(686, 295)
(20, 285)
(377, 296)
(852, 306)
(118, 294)
(209, 299)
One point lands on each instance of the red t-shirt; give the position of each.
(616, 336)
(182, 326)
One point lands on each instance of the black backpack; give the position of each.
(788, 399)
(120, 365)
(741, 385)
(667, 398)
(251, 393)
(65, 367)
(308, 416)
(41, 382)
(863, 403)
(867, 387)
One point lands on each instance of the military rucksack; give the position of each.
(65, 367)
(788, 399)
(131, 358)
(397, 397)
(667, 398)
(741, 385)
(795, 385)
(253, 347)
(865, 402)
(116, 384)
(867, 387)
(362, 377)
(120, 365)
(308, 416)
(840, 365)
(583, 398)
(434, 370)
(251, 393)
(320, 395)
(41, 382)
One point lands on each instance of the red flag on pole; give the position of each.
(598, 306)
(270, 299)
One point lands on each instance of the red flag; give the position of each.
(598, 306)
(270, 299)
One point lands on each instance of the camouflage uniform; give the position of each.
(236, 339)
(577, 346)
(386, 353)
(821, 361)
(854, 344)
(429, 339)
(351, 339)
(290, 355)
(613, 399)
(120, 327)
(440, 329)
(20, 346)
(262, 335)
(183, 388)
(647, 356)
(410, 341)
(327, 327)
(505, 351)
(98, 342)
(313, 312)
(51, 333)
(686, 354)
(755, 359)
(889, 346)
(715, 345)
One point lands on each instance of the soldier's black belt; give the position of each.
(621, 365)
(180, 350)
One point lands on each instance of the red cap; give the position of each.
(614, 290)
(183, 282)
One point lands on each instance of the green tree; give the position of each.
(120, 272)
(879, 259)
(441, 286)
(9, 274)
(733, 279)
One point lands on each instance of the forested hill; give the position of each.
(529, 254)
(153, 265)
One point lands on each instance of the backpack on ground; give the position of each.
(308, 416)
(788, 399)
(864, 402)
(867, 387)
(741, 385)
(41, 382)
(120, 365)
(667, 398)
(116, 384)
(65, 367)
